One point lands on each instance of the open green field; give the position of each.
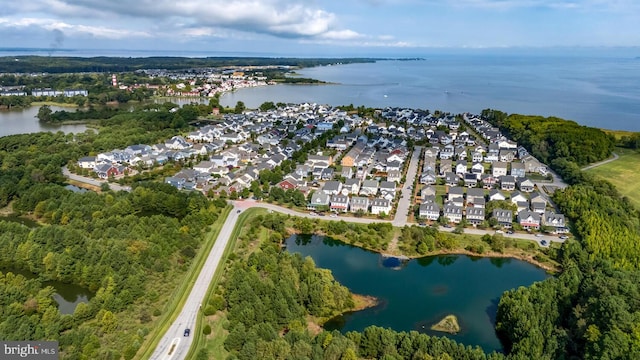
(624, 173)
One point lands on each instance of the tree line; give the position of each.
(63, 64)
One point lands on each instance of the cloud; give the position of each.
(61, 29)
(280, 18)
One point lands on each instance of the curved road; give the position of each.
(615, 157)
(174, 345)
(92, 181)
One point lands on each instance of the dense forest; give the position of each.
(130, 248)
(57, 64)
(552, 138)
(592, 309)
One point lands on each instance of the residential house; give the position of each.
(507, 155)
(175, 182)
(498, 169)
(489, 181)
(394, 176)
(477, 157)
(517, 170)
(532, 165)
(507, 183)
(347, 172)
(339, 203)
(332, 187)
(456, 195)
(427, 191)
(105, 171)
(327, 174)
(470, 180)
(205, 167)
(525, 185)
(496, 195)
(555, 221)
(388, 187)
(351, 186)
(178, 143)
(478, 170)
(538, 203)
(428, 177)
(445, 167)
(315, 159)
(503, 217)
(429, 211)
(522, 205)
(359, 203)
(369, 188)
(87, 162)
(451, 179)
(475, 215)
(447, 152)
(461, 166)
(318, 199)
(529, 219)
(475, 197)
(288, 184)
(380, 206)
(517, 196)
(452, 212)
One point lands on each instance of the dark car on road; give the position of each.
(187, 332)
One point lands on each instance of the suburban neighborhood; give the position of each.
(468, 173)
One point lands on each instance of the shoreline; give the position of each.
(461, 251)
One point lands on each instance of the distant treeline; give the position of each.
(54, 64)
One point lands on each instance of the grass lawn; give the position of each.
(624, 173)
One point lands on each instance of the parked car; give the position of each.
(334, 215)
(564, 237)
(499, 232)
(509, 232)
(543, 242)
(539, 235)
(238, 211)
(187, 332)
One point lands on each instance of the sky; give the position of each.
(317, 28)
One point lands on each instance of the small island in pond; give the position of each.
(449, 324)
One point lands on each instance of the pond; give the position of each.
(416, 294)
(68, 296)
(23, 121)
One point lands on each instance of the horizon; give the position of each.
(555, 51)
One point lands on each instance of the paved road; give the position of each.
(246, 204)
(404, 204)
(174, 345)
(614, 158)
(92, 181)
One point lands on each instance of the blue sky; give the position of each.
(316, 28)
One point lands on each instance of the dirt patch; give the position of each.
(364, 302)
(313, 327)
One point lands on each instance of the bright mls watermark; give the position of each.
(37, 350)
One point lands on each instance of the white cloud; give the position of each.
(280, 18)
(71, 29)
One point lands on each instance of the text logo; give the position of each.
(30, 350)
